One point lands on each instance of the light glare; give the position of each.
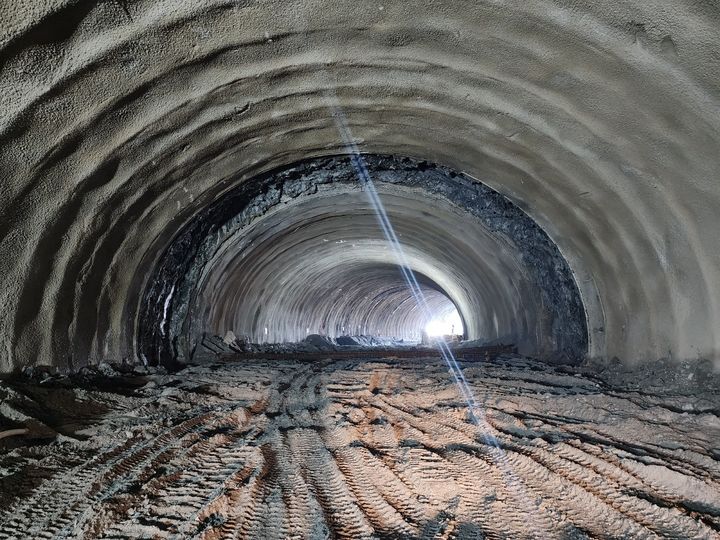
(447, 324)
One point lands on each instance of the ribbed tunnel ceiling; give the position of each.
(324, 267)
(122, 121)
(302, 251)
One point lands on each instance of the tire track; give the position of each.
(358, 449)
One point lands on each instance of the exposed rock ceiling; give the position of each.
(300, 251)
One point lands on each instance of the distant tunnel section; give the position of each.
(299, 251)
(327, 297)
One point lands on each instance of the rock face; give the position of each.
(366, 449)
(322, 343)
(300, 251)
(122, 121)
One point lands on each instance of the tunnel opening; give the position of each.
(298, 251)
(354, 299)
(445, 322)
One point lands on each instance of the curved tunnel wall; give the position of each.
(358, 299)
(300, 251)
(119, 122)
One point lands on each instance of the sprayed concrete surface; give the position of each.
(300, 252)
(364, 449)
(120, 121)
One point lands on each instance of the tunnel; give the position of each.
(387, 269)
(119, 126)
(301, 251)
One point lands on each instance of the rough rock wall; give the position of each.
(119, 120)
(300, 251)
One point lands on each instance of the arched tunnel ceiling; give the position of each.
(121, 120)
(324, 268)
(301, 250)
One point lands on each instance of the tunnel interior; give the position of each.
(300, 251)
(122, 125)
(207, 206)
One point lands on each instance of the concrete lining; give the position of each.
(299, 251)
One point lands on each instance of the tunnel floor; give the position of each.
(363, 449)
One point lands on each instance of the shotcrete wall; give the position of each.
(120, 121)
(301, 251)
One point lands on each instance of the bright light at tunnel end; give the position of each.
(476, 413)
(447, 324)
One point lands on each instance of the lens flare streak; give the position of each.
(475, 413)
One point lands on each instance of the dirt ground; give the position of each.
(362, 449)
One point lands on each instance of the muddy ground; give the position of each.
(362, 449)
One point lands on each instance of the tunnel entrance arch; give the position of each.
(258, 256)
